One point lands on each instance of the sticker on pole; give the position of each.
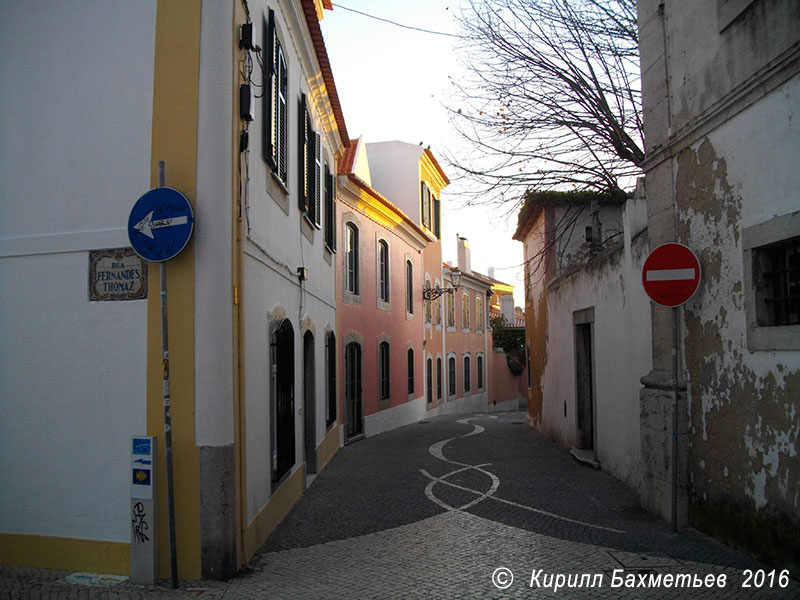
(671, 274)
(160, 224)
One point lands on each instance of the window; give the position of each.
(451, 309)
(383, 271)
(410, 371)
(409, 288)
(330, 210)
(478, 312)
(330, 349)
(465, 310)
(467, 374)
(437, 228)
(438, 378)
(437, 310)
(310, 166)
(428, 303)
(772, 283)
(479, 368)
(425, 209)
(384, 371)
(351, 265)
(451, 376)
(429, 380)
(275, 95)
(777, 283)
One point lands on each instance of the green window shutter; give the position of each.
(282, 113)
(437, 227)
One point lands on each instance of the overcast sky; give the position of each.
(393, 83)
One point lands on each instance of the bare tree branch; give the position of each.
(551, 99)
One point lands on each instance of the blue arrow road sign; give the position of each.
(160, 224)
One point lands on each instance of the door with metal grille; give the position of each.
(352, 392)
(283, 445)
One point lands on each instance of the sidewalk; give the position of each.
(461, 507)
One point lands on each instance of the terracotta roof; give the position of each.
(325, 67)
(518, 321)
(348, 158)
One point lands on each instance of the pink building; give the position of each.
(380, 312)
(411, 344)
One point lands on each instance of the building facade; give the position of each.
(251, 299)
(720, 95)
(587, 342)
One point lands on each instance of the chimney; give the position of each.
(507, 308)
(463, 256)
(491, 272)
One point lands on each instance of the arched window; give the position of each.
(409, 287)
(478, 312)
(428, 303)
(351, 260)
(384, 371)
(437, 310)
(465, 310)
(410, 371)
(479, 369)
(451, 308)
(467, 374)
(383, 271)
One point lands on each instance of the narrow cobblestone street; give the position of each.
(477, 506)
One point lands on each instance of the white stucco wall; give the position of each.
(394, 167)
(279, 240)
(75, 113)
(621, 354)
(212, 234)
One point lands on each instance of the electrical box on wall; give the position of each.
(246, 36)
(246, 102)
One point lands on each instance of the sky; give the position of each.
(393, 84)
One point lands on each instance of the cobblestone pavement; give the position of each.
(477, 506)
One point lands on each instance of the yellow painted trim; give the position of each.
(174, 140)
(65, 554)
(237, 270)
(327, 447)
(274, 511)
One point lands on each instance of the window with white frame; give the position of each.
(351, 260)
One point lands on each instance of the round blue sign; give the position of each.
(160, 224)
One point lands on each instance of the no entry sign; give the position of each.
(671, 274)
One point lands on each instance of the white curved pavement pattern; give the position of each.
(458, 507)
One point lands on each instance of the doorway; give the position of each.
(283, 406)
(309, 403)
(354, 415)
(584, 385)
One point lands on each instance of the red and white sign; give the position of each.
(671, 274)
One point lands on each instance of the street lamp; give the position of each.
(431, 294)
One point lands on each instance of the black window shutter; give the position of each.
(302, 155)
(268, 140)
(282, 110)
(317, 169)
(310, 204)
(437, 218)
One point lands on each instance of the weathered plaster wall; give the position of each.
(610, 287)
(744, 428)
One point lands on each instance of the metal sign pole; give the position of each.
(173, 557)
(675, 418)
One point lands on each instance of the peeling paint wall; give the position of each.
(721, 100)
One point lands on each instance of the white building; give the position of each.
(721, 92)
(105, 92)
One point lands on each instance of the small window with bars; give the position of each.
(776, 278)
